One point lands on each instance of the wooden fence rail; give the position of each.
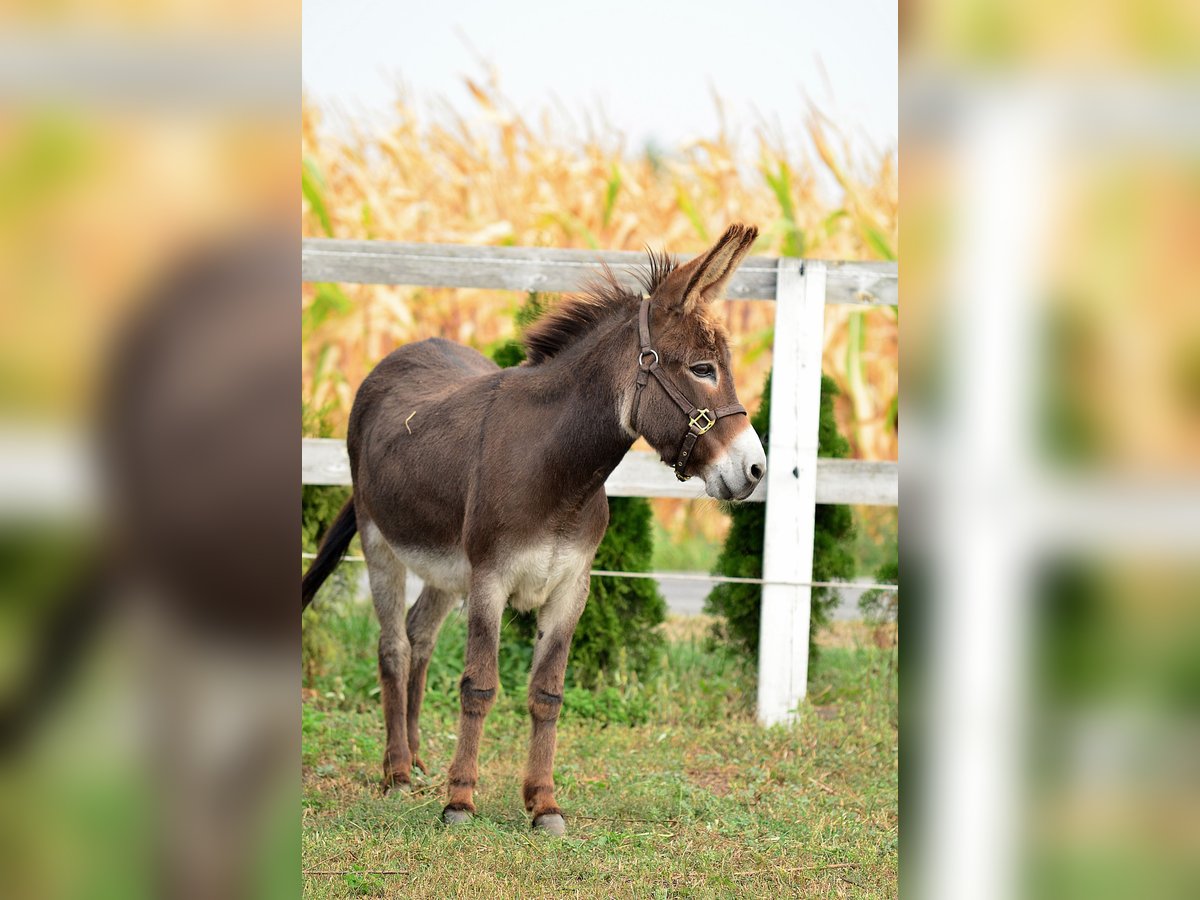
(557, 271)
(858, 482)
(797, 480)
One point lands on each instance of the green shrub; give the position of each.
(319, 505)
(512, 352)
(739, 605)
(618, 629)
(880, 605)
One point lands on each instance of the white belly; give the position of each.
(528, 578)
(448, 571)
(533, 576)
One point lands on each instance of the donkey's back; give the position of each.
(415, 375)
(412, 418)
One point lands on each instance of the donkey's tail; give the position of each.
(329, 554)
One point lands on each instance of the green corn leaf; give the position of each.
(610, 195)
(831, 220)
(781, 186)
(878, 242)
(572, 226)
(755, 344)
(329, 300)
(793, 239)
(794, 243)
(312, 185)
(321, 369)
(688, 208)
(368, 221)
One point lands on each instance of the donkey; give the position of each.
(489, 483)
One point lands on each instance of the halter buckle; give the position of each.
(642, 357)
(702, 420)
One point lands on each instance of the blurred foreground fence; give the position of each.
(796, 481)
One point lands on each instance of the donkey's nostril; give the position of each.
(756, 472)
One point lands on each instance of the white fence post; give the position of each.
(791, 488)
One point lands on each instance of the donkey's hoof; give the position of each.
(550, 823)
(451, 816)
(397, 788)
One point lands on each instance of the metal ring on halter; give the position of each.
(642, 356)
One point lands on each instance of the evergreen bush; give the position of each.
(319, 505)
(738, 605)
(879, 605)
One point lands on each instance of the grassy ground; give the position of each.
(670, 788)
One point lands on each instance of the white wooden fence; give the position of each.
(796, 479)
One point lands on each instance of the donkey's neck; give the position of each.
(593, 381)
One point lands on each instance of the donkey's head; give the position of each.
(690, 348)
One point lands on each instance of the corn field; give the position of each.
(487, 175)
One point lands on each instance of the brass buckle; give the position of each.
(702, 420)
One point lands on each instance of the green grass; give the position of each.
(692, 799)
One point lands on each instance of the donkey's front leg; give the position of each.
(556, 627)
(477, 693)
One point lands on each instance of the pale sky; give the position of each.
(650, 65)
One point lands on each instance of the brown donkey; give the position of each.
(489, 483)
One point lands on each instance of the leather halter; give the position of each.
(700, 421)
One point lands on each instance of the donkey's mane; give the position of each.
(602, 297)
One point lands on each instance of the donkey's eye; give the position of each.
(704, 370)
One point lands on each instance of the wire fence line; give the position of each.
(698, 576)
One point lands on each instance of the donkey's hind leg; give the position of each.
(424, 622)
(387, 576)
(556, 626)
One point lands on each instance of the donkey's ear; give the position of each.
(703, 279)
